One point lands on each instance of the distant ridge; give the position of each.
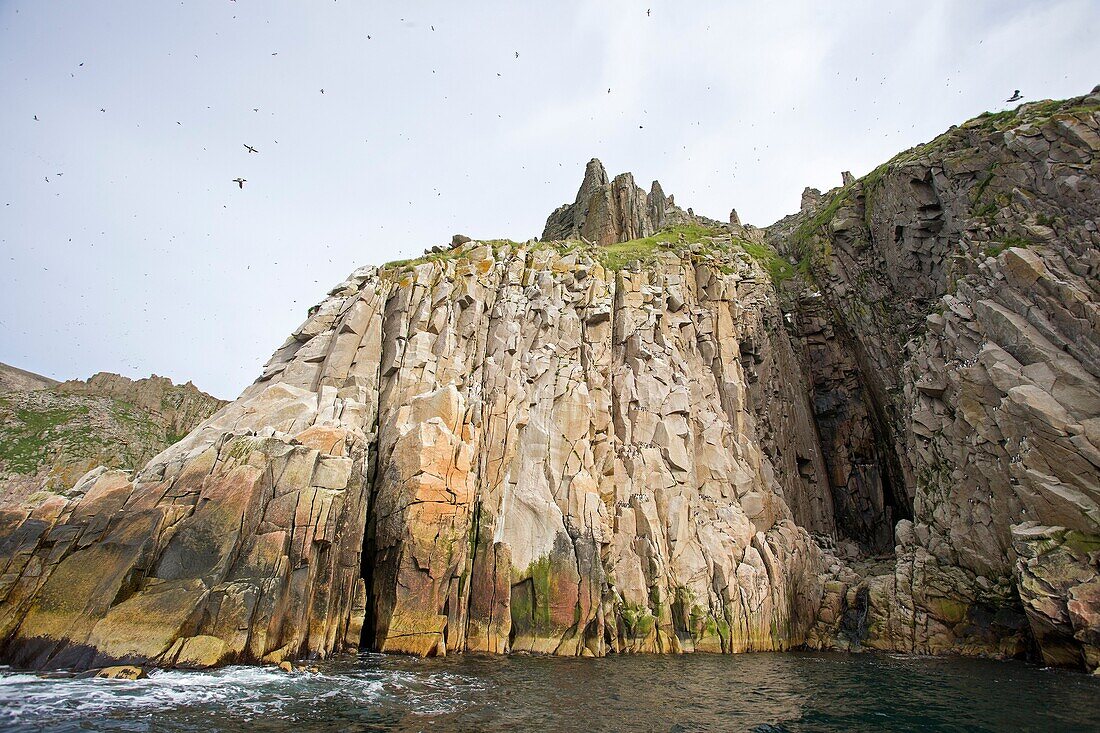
(14, 379)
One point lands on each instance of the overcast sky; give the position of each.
(139, 254)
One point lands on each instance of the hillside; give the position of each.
(52, 433)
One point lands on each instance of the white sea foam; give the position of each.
(243, 693)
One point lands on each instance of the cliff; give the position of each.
(954, 309)
(869, 424)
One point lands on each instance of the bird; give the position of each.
(240, 181)
(102, 109)
(250, 148)
(517, 54)
(1015, 96)
(647, 12)
(322, 91)
(36, 118)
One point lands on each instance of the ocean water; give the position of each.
(765, 693)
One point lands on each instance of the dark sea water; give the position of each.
(767, 693)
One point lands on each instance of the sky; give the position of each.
(126, 246)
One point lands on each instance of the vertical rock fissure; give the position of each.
(367, 636)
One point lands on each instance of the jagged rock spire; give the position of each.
(608, 211)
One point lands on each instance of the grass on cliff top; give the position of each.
(449, 254)
(778, 268)
(619, 255)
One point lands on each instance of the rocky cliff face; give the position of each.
(648, 432)
(960, 282)
(503, 449)
(53, 433)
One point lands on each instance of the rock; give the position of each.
(458, 240)
(286, 667)
(608, 211)
(124, 672)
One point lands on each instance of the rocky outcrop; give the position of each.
(609, 211)
(961, 280)
(873, 424)
(53, 433)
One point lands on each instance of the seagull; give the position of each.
(240, 181)
(322, 91)
(517, 54)
(250, 148)
(647, 12)
(36, 118)
(1015, 97)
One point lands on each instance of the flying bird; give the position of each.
(250, 148)
(517, 54)
(36, 118)
(240, 181)
(1015, 97)
(647, 12)
(322, 91)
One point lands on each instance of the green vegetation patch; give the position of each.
(29, 437)
(619, 255)
(448, 254)
(995, 248)
(778, 268)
